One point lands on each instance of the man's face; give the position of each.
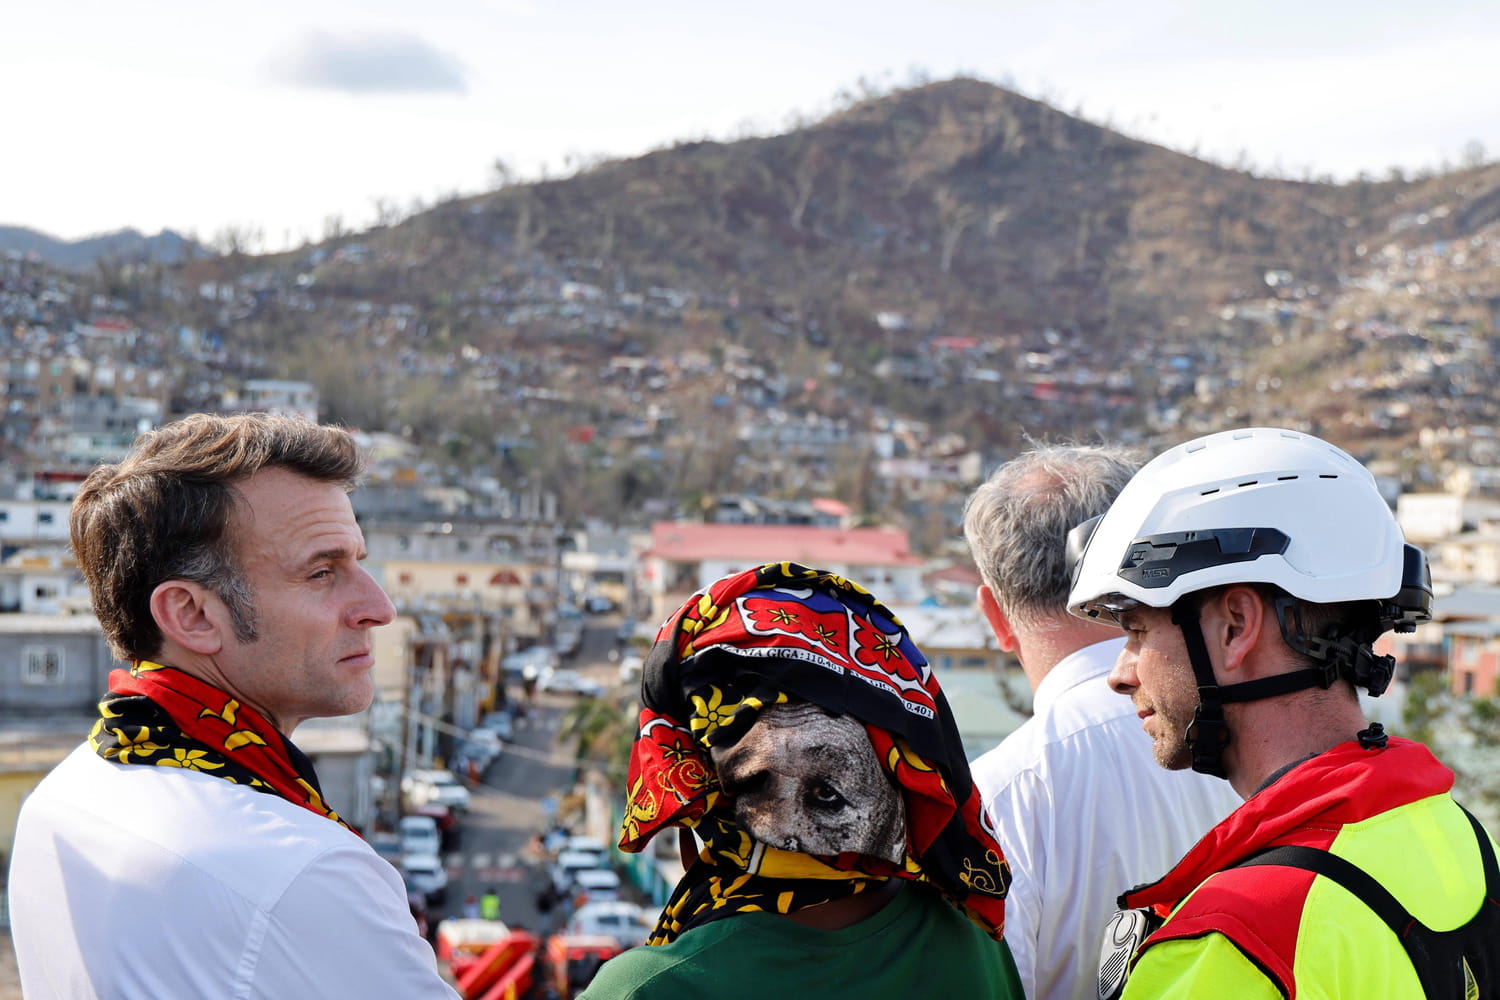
(1154, 670)
(807, 781)
(298, 548)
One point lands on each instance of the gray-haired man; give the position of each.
(1082, 809)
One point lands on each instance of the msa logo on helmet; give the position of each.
(1157, 560)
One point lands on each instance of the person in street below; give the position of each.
(1063, 787)
(1252, 571)
(185, 849)
(789, 721)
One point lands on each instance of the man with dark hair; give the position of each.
(1252, 571)
(1080, 808)
(790, 723)
(186, 850)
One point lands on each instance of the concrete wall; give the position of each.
(52, 665)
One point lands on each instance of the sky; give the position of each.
(281, 116)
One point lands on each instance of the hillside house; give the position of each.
(30, 522)
(1474, 658)
(43, 582)
(975, 675)
(278, 396)
(686, 556)
(515, 597)
(1470, 623)
(1469, 558)
(747, 509)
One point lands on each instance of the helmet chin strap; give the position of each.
(1208, 734)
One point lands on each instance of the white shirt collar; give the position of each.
(1087, 663)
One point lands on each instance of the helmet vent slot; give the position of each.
(1328, 475)
(1250, 483)
(1211, 492)
(1282, 479)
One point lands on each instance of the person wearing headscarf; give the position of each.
(790, 725)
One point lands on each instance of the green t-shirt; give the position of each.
(918, 946)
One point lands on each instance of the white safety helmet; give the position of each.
(1262, 506)
(1259, 505)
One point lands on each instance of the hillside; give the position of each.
(955, 255)
(957, 210)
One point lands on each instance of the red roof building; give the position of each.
(686, 556)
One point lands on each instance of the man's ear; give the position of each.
(990, 608)
(188, 615)
(1242, 618)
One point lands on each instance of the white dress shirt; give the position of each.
(1084, 813)
(149, 882)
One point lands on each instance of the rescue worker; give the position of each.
(1252, 571)
(489, 904)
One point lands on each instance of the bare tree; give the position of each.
(530, 229)
(607, 236)
(503, 174)
(387, 213)
(954, 216)
(239, 238)
(804, 178)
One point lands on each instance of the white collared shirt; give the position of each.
(144, 882)
(1084, 813)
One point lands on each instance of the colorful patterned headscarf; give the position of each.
(763, 637)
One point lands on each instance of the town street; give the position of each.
(508, 808)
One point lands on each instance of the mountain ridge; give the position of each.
(166, 247)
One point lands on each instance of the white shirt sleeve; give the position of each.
(343, 928)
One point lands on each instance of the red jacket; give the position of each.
(1264, 910)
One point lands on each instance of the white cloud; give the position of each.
(368, 63)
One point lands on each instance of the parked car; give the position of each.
(387, 844)
(419, 835)
(422, 787)
(594, 885)
(567, 866)
(446, 819)
(502, 724)
(571, 682)
(582, 844)
(628, 923)
(598, 605)
(630, 667)
(486, 740)
(425, 872)
(568, 635)
(538, 658)
(471, 759)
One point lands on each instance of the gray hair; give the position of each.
(1017, 522)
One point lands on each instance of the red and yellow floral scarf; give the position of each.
(759, 638)
(163, 716)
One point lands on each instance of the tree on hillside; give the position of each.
(954, 215)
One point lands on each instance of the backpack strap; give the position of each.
(1359, 882)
